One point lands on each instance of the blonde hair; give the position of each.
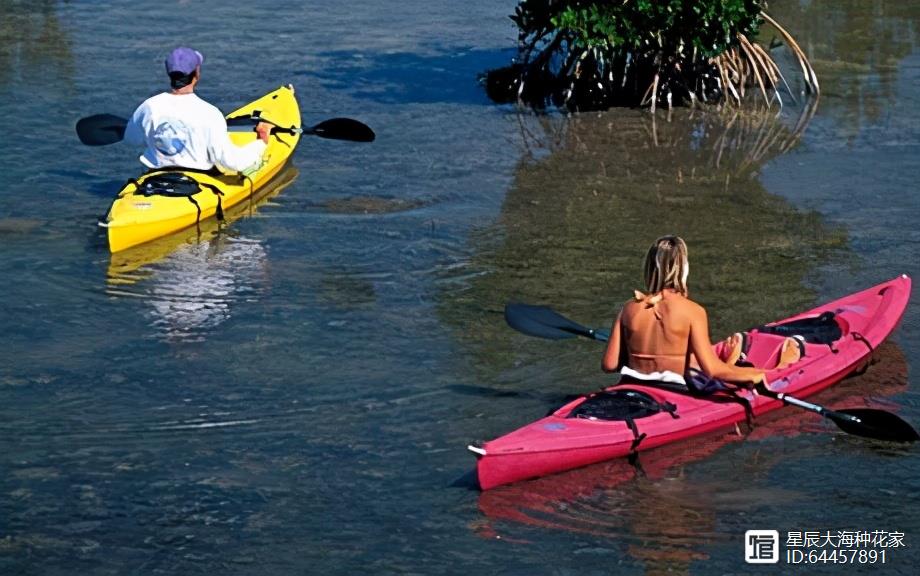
(666, 265)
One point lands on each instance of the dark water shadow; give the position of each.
(485, 391)
(469, 481)
(551, 401)
(86, 182)
(404, 77)
(107, 189)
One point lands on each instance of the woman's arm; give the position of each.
(611, 362)
(711, 364)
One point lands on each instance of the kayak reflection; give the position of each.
(191, 280)
(193, 290)
(667, 514)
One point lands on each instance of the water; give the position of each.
(294, 392)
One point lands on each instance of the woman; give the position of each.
(662, 334)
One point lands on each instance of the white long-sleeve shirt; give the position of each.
(184, 130)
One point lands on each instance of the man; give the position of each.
(180, 129)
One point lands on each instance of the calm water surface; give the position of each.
(293, 393)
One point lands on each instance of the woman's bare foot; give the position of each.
(793, 350)
(734, 345)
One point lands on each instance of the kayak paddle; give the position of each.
(867, 422)
(101, 129)
(544, 322)
(104, 129)
(334, 128)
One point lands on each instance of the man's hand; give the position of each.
(264, 130)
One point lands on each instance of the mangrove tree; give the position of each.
(594, 54)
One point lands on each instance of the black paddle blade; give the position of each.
(101, 129)
(343, 129)
(544, 322)
(872, 423)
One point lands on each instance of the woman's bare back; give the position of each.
(656, 333)
(667, 331)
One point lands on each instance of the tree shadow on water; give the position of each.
(35, 48)
(404, 77)
(589, 195)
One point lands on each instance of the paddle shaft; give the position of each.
(792, 400)
(334, 128)
(104, 129)
(590, 333)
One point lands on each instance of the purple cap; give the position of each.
(183, 60)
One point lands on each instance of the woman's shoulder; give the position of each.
(670, 299)
(676, 300)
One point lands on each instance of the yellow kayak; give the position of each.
(138, 215)
(134, 264)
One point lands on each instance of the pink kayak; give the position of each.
(840, 337)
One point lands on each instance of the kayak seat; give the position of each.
(173, 184)
(824, 329)
(177, 185)
(765, 349)
(623, 405)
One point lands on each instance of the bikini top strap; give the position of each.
(649, 300)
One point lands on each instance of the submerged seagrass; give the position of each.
(594, 190)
